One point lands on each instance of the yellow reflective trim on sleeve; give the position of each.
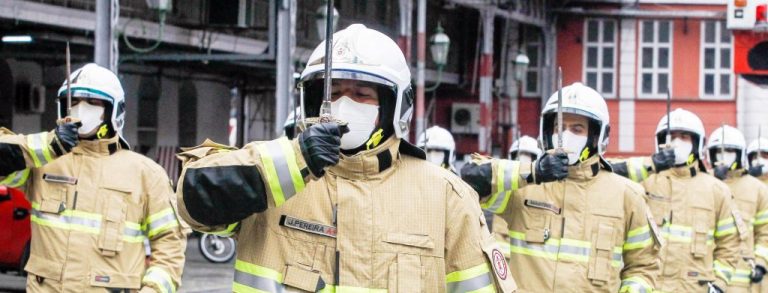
(742, 276)
(638, 238)
(16, 179)
(725, 227)
(293, 166)
(34, 145)
(258, 270)
(723, 271)
(467, 274)
(761, 251)
(635, 285)
(761, 218)
(507, 180)
(226, 232)
(160, 222)
(618, 257)
(161, 278)
(271, 175)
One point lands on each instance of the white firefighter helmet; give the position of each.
(581, 100)
(95, 82)
(682, 120)
(364, 54)
(729, 138)
(525, 144)
(439, 139)
(762, 144)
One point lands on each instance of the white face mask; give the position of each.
(682, 150)
(361, 118)
(89, 115)
(524, 159)
(436, 157)
(726, 159)
(573, 145)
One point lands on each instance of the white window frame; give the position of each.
(539, 43)
(656, 93)
(600, 45)
(717, 71)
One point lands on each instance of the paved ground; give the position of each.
(199, 275)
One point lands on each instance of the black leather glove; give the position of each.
(66, 134)
(663, 160)
(551, 167)
(479, 177)
(756, 171)
(712, 288)
(757, 274)
(721, 172)
(320, 146)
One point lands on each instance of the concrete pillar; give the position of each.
(286, 45)
(486, 82)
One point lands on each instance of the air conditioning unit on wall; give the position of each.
(30, 98)
(465, 118)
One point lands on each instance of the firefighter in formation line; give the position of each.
(88, 225)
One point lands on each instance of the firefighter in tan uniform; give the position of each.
(337, 211)
(590, 231)
(757, 157)
(93, 200)
(728, 158)
(693, 209)
(440, 148)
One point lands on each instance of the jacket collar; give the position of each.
(369, 162)
(584, 171)
(686, 171)
(98, 147)
(734, 174)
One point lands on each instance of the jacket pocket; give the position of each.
(405, 274)
(113, 279)
(603, 238)
(701, 232)
(537, 225)
(54, 198)
(43, 267)
(113, 221)
(412, 240)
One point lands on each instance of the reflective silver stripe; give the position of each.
(618, 257)
(472, 284)
(160, 278)
(37, 145)
(132, 232)
(281, 167)
(17, 180)
(548, 248)
(639, 237)
(256, 282)
(677, 232)
(91, 223)
(508, 176)
(639, 288)
(730, 225)
(574, 250)
(162, 221)
(501, 198)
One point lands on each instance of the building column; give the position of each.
(406, 20)
(105, 51)
(421, 54)
(486, 83)
(286, 45)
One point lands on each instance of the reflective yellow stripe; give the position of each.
(38, 149)
(761, 251)
(254, 278)
(160, 222)
(282, 172)
(161, 278)
(507, 181)
(742, 276)
(635, 285)
(638, 238)
(761, 218)
(229, 231)
(636, 169)
(723, 271)
(725, 227)
(618, 257)
(474, 279)
(82, 222)
(16, 179)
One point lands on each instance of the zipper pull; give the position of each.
(546, 234)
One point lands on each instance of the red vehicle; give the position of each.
(14, 222)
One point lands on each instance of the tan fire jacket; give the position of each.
(696, 214)
(500, 231)
(588, 233)
(751, 199)
(379, 221)
(91, 211)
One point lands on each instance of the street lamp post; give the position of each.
(439, 44)
(521, 66)
(321, 16)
